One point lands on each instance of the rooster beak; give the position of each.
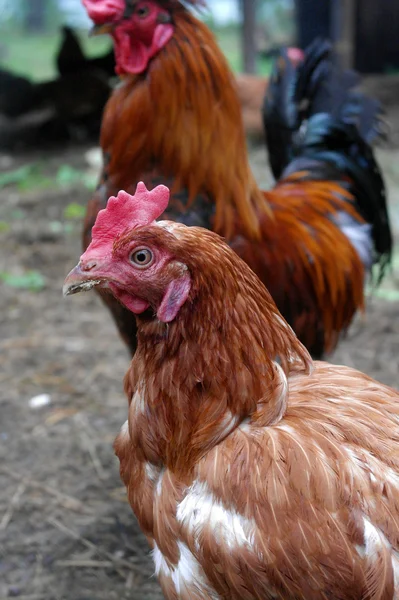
(101, 29)
(81, 279)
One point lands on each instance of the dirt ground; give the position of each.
(66, 530)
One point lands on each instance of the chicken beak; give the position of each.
(80, 279)
(101, 29)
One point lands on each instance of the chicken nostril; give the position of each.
(88, 266)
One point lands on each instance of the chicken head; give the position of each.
(139, 29)
(133, 256)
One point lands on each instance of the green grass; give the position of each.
(34, 56)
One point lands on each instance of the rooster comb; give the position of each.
(184, 2)
(125, 212)
(110, 11)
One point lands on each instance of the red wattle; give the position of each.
(162, 34)
(133, 54)
(133, 303)
(138, 58)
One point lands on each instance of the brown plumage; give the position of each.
(253, 472)
(178, 122)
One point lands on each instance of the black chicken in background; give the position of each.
(67, 108)
(71, 59)
(16, 94)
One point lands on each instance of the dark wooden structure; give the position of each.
(377, 35)
(365, 31)
(313, 20)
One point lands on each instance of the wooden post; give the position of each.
(343, 31)
(248, 12)
(335, 21)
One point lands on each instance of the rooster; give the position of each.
(253, 472)
(176, 119)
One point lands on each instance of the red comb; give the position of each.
(109, 11)
(104, 11)
(126, 212)
(296, 55)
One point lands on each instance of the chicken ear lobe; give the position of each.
(175, 296)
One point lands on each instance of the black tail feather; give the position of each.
(325, 127)
(330, 149)
(280, 113)
(317, 86)
(289, 97)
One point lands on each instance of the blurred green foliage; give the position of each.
(29, 280)
(33, 55)
(74, 211)
(35, 176)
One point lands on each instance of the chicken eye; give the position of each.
(142, 257)
(142, 11)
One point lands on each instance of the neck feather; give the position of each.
(224, 359)
(183, 118)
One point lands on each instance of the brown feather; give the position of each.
(255, 480)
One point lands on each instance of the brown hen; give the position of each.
(253, 472)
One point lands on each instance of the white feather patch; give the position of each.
(153, 472)
(161, 566)
(124, 433)
(374, 540)
(200, 508)
(359, 235)
(158, 488)
(187, 574)
(138, 401)
(245, 425)
(281, 401)
(227, 425)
